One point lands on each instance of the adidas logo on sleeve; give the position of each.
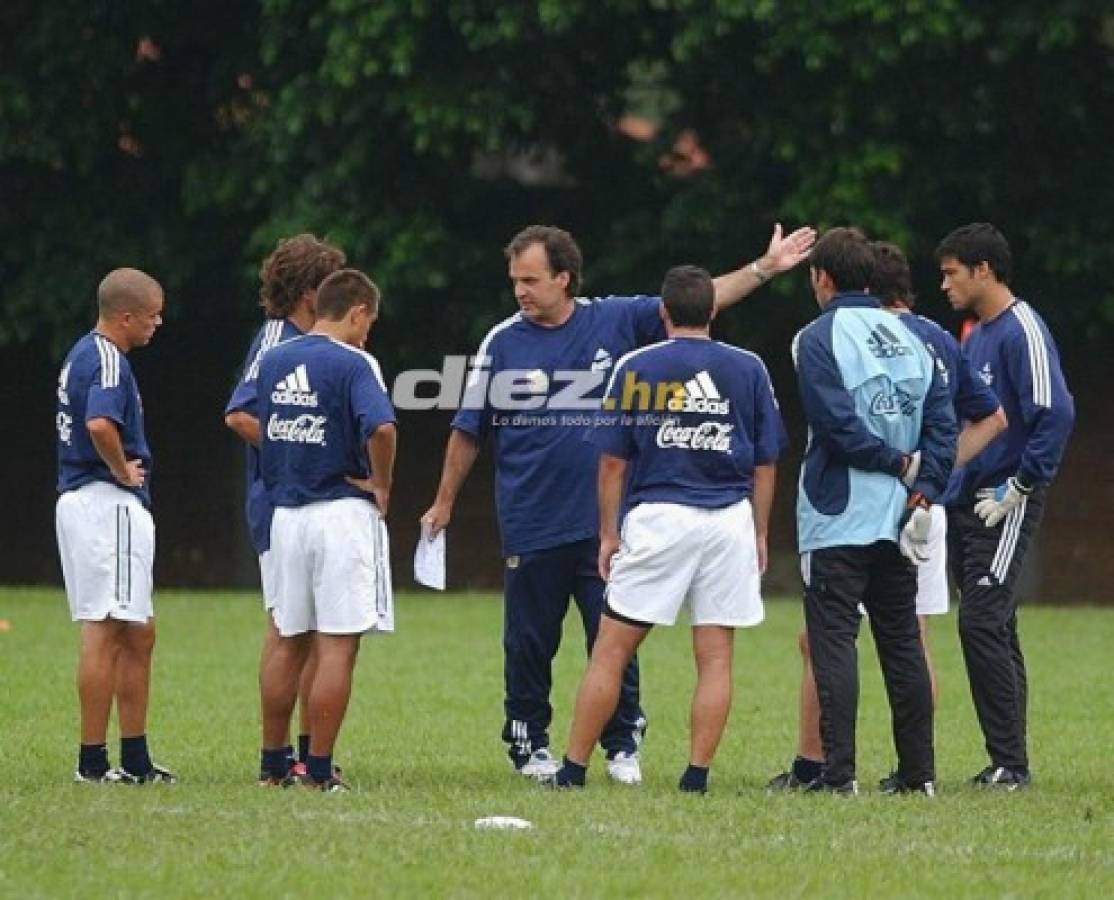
(294, 389)
(700, 395)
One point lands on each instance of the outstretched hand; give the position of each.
(784, 253)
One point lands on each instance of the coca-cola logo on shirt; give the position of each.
(715, 436)
(304, 429)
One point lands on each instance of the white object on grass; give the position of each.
(503, 822)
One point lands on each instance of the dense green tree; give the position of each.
(420, 135)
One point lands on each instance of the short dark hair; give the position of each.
(977, 243)
(343, 290)
(296, 265)
(561, 251)
(689, 296)
(125, 290)
(847, 256)
(892, 282)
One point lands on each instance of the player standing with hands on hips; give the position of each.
(106, 536)
(326, 455)
(1000, 495)
(545, 483)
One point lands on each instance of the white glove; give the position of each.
(998, 502)
(912, 469)
(912, 540)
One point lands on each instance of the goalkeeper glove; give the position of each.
(915, 523)
(995, 503)
(911, 469)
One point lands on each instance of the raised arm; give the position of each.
(460, 455)
(782, 254)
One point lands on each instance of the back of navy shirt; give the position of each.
(693, 435)
(545, 472)
(1015, 356)
(96, 382)
(319, 402)
(245, 399)
(972, 399)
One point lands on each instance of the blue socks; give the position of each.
(92, 760)
(806, 770)
(134, 757)
(303, 748)
(570, 774)
(695, 780)
(319, 768)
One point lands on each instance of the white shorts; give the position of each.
(331, 569)
(267, 578)
(932, 575)
(673, 554)
(106, 539)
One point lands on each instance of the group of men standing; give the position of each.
(663, 502)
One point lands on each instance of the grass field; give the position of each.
(421, 747)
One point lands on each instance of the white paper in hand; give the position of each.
(429, 559)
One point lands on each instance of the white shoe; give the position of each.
(625, 768)
(541, 764)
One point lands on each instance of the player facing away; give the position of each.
(998, 499)
(546, 473)
(982, 419)
(288, 278)
(106, 536)
(326, 454)
(881, 444)
(691, 427)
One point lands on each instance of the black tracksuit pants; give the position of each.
(986, 564)
(837, 580)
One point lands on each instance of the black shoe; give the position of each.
(786, 781)
(1002, 778)
(111, 776)
(895, 784)
(157, 775)
(848, 788)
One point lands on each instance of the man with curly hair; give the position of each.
(289, 278)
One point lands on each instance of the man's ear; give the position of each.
(664, 314)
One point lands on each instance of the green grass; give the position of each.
(422, 747)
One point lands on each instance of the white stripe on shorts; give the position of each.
(123, 557)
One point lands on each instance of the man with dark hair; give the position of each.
(999, 497)
(289, 277)
(106, 536)
(699, 470)
(881, 443)
(978, 409)
(326, 458)
(546, 472)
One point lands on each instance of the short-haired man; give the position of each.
(697, 452)
(546, 473)
(288, 279)
(106, 536)
(999, 498)
(326, 456)
(881, 444)
(982, 420)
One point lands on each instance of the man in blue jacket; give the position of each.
(882, 436)
(996, 503)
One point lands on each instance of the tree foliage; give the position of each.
(421, 135)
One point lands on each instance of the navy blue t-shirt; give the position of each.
(693, 417)
(319, 402)
(545, 478)
(96, 382)
(245, 399)
(1014, 355)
